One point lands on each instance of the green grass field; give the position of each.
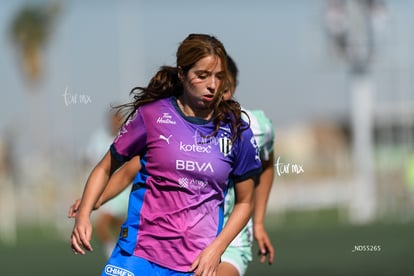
(328, 251)
(302, 248)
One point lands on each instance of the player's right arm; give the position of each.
(96, 183)
(118, 182)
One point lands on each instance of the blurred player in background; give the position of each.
(110, 216)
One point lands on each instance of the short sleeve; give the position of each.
(263, 131)
(268, 135)
(246, 157)
(131, 139)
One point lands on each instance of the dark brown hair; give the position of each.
(166, 83)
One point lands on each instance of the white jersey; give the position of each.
(263, 132)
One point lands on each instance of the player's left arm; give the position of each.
(209, 258)
(261, 198)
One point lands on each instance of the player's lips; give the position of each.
(208, 97)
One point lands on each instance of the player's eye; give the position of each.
(220, 76)
(202, 76)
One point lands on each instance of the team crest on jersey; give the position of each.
(225, 145)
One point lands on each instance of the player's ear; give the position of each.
(180, 73)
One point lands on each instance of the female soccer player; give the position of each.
(193, 142)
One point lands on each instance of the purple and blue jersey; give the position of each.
(176, 208)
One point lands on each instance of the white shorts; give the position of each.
(238, 256)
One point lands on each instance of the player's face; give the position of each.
(202, 82)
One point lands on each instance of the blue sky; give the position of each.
(99, 50)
